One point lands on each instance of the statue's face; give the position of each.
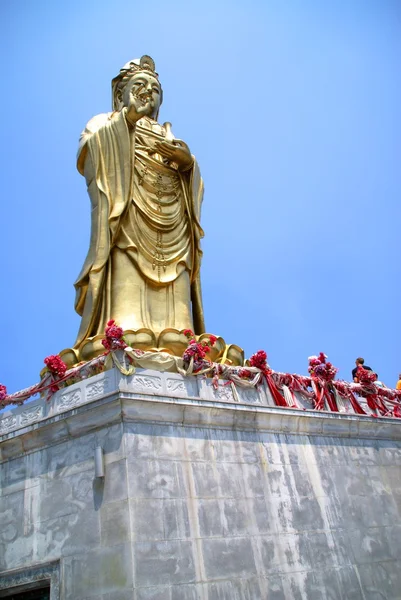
(143, 89)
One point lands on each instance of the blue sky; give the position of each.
(293, 111)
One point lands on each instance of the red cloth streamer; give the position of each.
(277, 396)
(355, 404)
(397, 412)
(319, 395)
(374, 403)
(322, 393)
(331, 401)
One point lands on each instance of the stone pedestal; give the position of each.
(207, 494)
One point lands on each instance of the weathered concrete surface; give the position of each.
(221, 502)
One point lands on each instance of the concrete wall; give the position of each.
(188, 512)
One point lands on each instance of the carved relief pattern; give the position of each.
(175, 385)
(69, 400)
(224, 392)
(7, 423)
(148, 383)
(186, 388)
(28, 416)
(97, 389)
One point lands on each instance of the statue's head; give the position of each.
(138, 79)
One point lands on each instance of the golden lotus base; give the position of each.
(172, 341)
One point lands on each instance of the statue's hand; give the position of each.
(176, 151)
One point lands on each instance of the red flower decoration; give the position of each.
(318, 367)
(259, 360)
(3, 392)
(114, 337)
(55, 365)
(197, 350)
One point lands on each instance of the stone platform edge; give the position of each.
(163, 397)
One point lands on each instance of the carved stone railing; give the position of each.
(143, 382)
(155, 396)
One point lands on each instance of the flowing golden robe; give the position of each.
(142, 268)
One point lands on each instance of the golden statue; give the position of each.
(142, 268)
